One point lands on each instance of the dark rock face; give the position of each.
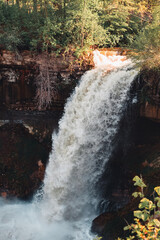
(18, 78)
(16, 86)
(19, 158)
(142, 157)
(150, 94)
(25, 144)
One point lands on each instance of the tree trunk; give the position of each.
(17, 3)
(35, 6)
(83, 23)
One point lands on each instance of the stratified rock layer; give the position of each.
(18, 76)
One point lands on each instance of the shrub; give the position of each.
(147, 218)
(147, 43)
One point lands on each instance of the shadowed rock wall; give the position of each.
(150, 94)
(18, 73)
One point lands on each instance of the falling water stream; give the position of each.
(80, 151)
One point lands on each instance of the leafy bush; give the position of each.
(17, 28)
(10, 39)
(51, 25)
(147, 218)
(147, 43)
(122, 22)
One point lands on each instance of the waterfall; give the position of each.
(80, 152)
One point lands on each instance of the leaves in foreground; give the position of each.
(147, 218)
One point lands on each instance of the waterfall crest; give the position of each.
(80, 152)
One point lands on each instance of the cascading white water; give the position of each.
(80, 151)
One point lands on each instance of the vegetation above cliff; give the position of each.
(147, 43)
(73, 24)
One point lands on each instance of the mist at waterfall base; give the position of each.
(81, 149)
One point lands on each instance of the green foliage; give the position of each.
(121, 21)
(76, 24)
(147, 43)
(17, 27)
(146, 219)
(10, 39)
(139, 182)
(98, 238)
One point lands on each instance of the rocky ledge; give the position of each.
(30, 81)
(23, 74)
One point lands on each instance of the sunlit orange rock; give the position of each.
(4, 194)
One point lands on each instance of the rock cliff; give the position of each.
(150, 94)
(19, 72)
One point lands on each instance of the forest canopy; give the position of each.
(56, 25)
